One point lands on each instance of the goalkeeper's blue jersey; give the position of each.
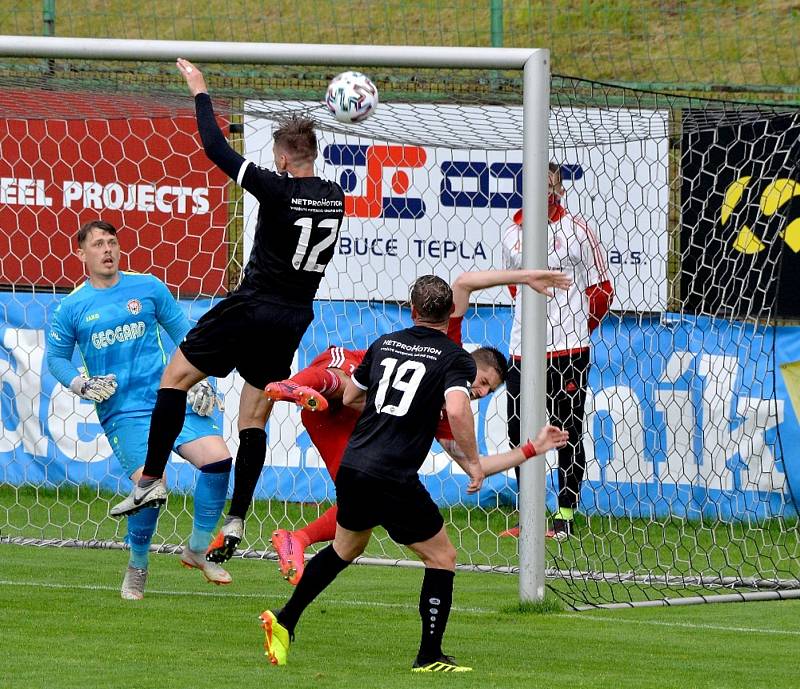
(117, 331)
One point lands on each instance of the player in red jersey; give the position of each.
(318, 390)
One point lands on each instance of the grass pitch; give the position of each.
(64, 625)
(615, 546)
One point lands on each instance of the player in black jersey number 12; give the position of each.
(257, 328)
(401, 385)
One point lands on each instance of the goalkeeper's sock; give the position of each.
(322, 529)
(209, 500)
(322, 380)
(166, 423)
(249, 463)
(141, 527)
(435, 600)
(566, 514)
(324, 567)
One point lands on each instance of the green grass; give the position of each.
(604, 544)
(64, 625)
(704, 41)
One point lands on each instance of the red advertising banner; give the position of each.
(147, 175)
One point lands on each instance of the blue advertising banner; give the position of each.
(687, 416)
(691, 416)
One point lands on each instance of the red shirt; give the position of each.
(330, 430)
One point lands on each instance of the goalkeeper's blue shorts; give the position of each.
(128, 436)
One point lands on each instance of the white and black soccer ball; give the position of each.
(351, 97)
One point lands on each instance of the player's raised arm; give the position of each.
(215, 145)
(548, 438)
(194, 77)
(543, 281)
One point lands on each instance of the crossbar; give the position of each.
(53, 47)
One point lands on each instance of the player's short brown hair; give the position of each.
(101, 225)
(493, 358)
(297, 136)
(432, 298)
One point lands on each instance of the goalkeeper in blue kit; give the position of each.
(113, 318)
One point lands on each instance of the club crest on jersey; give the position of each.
(134, 306)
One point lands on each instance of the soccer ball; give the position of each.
(351, 97)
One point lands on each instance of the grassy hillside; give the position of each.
(723, 42)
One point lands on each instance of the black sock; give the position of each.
(320, 572)
(435, 600)
(247, 470)
(165, 427)
(222, 466)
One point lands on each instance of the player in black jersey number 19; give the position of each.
(257, 328)
(401, 385)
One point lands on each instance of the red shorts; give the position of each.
(331, 429)
(346, 360)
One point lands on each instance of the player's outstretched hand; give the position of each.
(546, 281)
(94, 389)
(548, 438)
(203, 398)
(194, 77)
(476, 477)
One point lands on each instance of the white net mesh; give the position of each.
(686, 485)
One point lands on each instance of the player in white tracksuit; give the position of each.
(572, 314)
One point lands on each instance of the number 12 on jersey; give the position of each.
(397, 379)
(311, 254)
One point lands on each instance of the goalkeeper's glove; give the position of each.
(94, 389)
(203, 398)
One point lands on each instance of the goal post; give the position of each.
(535, 67)
(684, 477)
(535, 157)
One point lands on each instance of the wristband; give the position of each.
(528, 450)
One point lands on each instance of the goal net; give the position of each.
(684, 485)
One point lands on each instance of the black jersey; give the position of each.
(296, 232)
(406, 375)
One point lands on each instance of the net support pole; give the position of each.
(536, 112)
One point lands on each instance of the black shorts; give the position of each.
(405, 510)
(258, 338)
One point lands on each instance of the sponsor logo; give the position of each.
(740, 226)
(122, 333)
(92, 317)
(136, 197)
(376, 159)
(464, 183)
(23, 192)
(773, 200)
(134, 306)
